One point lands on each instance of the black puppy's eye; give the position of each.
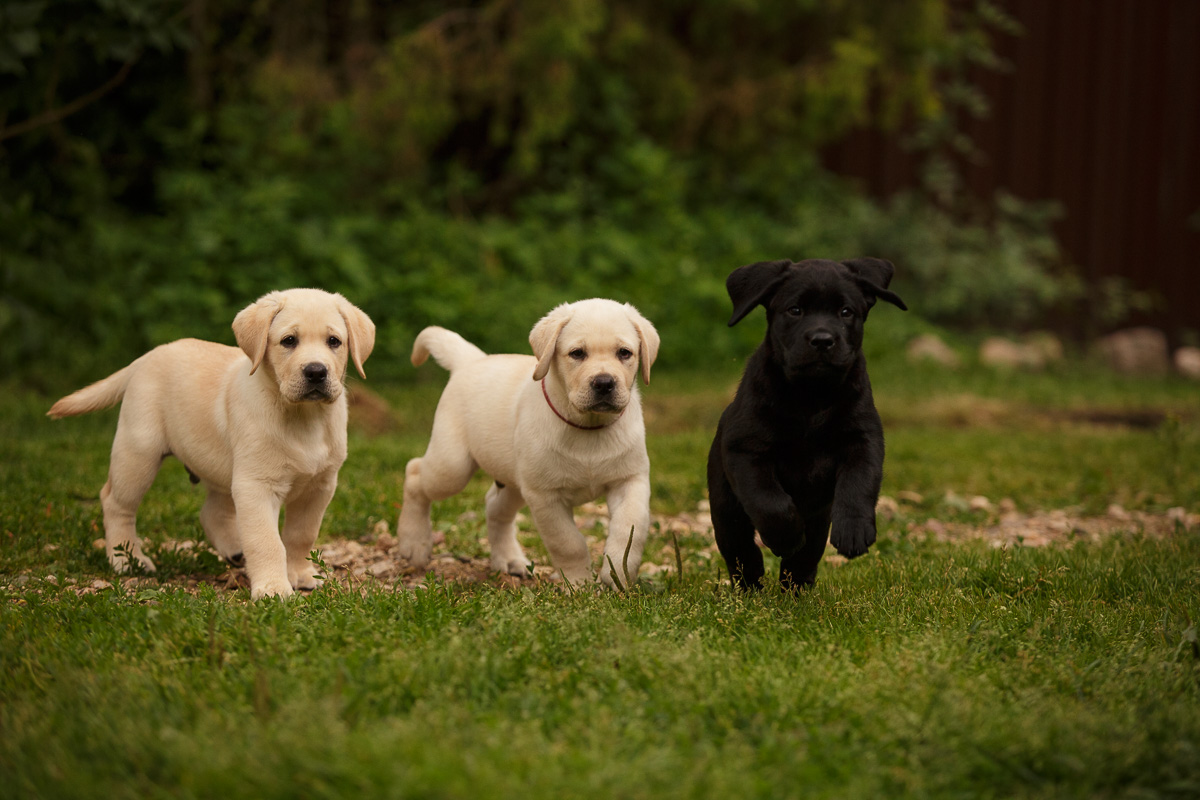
(847, 313)
(289, 341)
(624, 354)
(578, 354)
(795, 311)
(334, 342)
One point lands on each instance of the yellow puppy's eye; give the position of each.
(334, 342)
(624, 354)
(578, 354)
(289, 341)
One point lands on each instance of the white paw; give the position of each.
(577, 576)
(606, 576)
(416, 553)
(513, 565)
(272, 588)
(304, 579)
(121, 563)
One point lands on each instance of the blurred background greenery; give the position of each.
(164, 162)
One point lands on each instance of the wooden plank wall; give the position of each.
(1100, 111)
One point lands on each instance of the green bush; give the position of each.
(121, 283)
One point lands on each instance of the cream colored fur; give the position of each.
(493, 416)
(247, 422)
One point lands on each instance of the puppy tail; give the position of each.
(101, 394)
(447, 348)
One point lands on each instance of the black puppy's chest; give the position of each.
(805, 451)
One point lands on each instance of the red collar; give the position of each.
(546, 395)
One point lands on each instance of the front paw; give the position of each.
(272, 588)
(303, 578)
(852, 537)
(781, 530)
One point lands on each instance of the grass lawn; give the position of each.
(927, 668)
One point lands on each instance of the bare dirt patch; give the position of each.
(371, 562)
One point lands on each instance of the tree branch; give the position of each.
(56, 114)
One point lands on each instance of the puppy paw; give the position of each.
(606, 575)
(416, 553)
(273, 588)
(852, 538)
(123, 559)
(781, 530)
(512, 564)
(303, 580)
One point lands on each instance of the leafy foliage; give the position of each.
(469, 166)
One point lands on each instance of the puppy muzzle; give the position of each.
(604, 395)
(314, 385)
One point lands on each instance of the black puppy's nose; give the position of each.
(604, 384)
(822, 340)
(315, 373)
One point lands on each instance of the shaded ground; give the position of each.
(354, 564)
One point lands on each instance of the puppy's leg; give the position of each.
(258, 528)
(502, 507)
(855, 496)
(732, 526)
(799, 570)
(219, 520)
(301, 524)
(444, 470)
(629, 524)
(568, 547)
(133, 467)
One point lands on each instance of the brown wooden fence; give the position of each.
(1101, 112)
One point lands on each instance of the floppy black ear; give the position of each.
(872, 276)
(750, 285)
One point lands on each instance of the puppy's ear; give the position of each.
(872, 276)
(752, 285)
(544, 338)
(648, 341)
(253, 323)
(360, 332)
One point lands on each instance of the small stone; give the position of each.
(380, 528)
(1007, 354)
(1187, 362)
(98, 544)
(905, 496)
(887, 507)
(1180, 516)
(1116, 511)
(928, 347)
(980, 503)
(100, 585)
(1136, 351)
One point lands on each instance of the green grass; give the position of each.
(923, 669)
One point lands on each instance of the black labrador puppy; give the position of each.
(801, 443)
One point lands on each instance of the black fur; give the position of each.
(801, 444)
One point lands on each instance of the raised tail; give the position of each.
(447, 348)
(101, 394)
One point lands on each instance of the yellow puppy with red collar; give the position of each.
(553, 430)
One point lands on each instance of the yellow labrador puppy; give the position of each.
(262, 427)
(553, 430)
